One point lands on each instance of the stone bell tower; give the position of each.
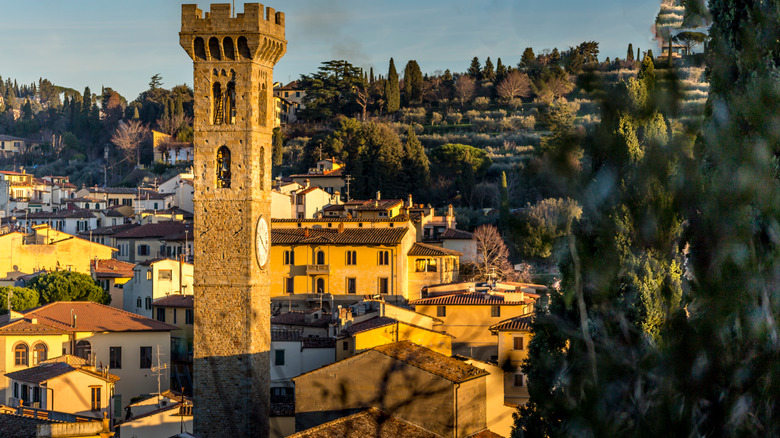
(233, 59)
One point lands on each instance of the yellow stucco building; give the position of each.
(50, 250)
(355, 257)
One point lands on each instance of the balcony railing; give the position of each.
(317, 269)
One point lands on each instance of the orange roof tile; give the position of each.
(370, 423)
(90, 317)
(423, 249)
(428, 360)
(112, 268)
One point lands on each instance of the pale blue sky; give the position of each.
(121, 44)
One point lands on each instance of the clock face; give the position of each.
(261, 241)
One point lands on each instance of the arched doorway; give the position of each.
(320, 286)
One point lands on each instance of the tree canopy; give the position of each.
(68, 286)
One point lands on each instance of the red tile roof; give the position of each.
(360, 236)
(158, 230)
(185, 301)
(370, 324)
(112, 268)
(369, 423)
(428, 360)
(90, 317)
(487, 433)
(48, 371)
(452, 233)
(474, 298)
(299, 318)
(423, 249)
(399, 218)
(518, 323)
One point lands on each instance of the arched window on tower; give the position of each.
(218, 103)
(230, 103)
(223, 167)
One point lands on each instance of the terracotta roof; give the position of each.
(68, 359)
(452, 233)
(360, 236)
(369, 423)
(25, 326)
(370, 324)
(487, 433)
(61, 214)
(423, 249)
(17, 426)
(474, 298)
(518, 323)
(48, 371)
(309, 190)
(381, 205)
(185, 301)
(107, 231)
(90, 317)
(119, 190)
(84, 199)
(154, 412)
(325, 174)
(399, 218)
(428, 360)
(286, 335)
(112, 268)
(299, 318)
(158, 230)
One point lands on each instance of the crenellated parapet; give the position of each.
(255, 35)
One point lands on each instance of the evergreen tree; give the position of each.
(371, 75)
(630, 53)
(392, 89)
(528, 59)
(504, 219)
(68, 286)
(475, 69)
(500, 71)
(487, 71)
(278, 148)
(415, 164)
(413, 82)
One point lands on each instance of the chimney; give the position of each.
(378, 195)
(341, 227)
(306, 183)
(450, 217)
(409, 203)
(306, 232)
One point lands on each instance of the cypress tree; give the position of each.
(500, 70)
(638, 57)
(278, 147)
(136, 115)
(487, 70)
(416, 165)
(475, 69)
(413, 81)
(179, 109)
(504, 212)
(371, 75)
(392, 89)
(630, 53)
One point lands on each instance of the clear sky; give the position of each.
(121, 44)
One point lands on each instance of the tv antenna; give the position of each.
(158, 371)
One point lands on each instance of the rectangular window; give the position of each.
(143, 250)
(441, 310)
(149, 274)
(115, 358)
(345, 345)
(495, 311)
(278, 357)
(16, 389)
(519, 380)
(289, 257)
(425, 265)
(36, 396)
(518, 343)
(146, 357)
(161, 314)
(384, 258)
(95, 398)
(289, 285)
(189, 316)
(351, 257)
(165, 274)
(351, 285)
(175, 311)
(384, 285)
